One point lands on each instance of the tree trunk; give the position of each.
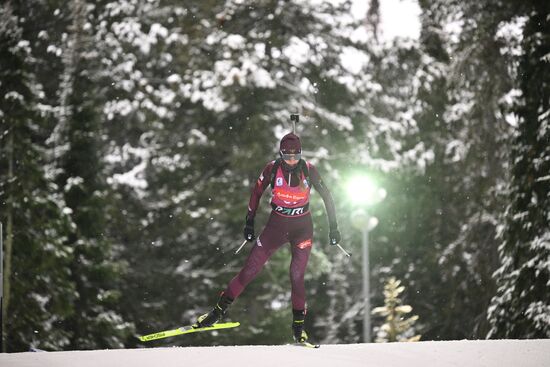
(9, 244)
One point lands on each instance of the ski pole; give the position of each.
(239, 249)
(344, 251)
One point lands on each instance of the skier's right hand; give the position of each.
(249, 229)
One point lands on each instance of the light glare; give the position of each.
(362, 190)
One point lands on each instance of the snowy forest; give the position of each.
(132, 133)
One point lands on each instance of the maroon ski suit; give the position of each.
(289, 222)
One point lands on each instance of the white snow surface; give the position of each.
(486, 353)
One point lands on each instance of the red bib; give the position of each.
(284, 195)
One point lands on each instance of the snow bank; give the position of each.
(493, 353)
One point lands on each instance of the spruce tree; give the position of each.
(96, 322)
(446, 215)
(397, 326)
(520, 308)
(37, 283)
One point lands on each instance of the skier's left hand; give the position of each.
(334, 236)
(249, 229)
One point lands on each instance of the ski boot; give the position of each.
(216, 314)
(298, 317)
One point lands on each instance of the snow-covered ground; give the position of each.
(493, 353)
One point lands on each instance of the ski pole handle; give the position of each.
(239, 249)
(344, 251)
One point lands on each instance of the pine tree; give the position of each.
(37, 285)
(521, 306)
(448, 212)
(96, 322)
(397, 327)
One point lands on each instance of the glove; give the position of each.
(249, 229)
(334, 236)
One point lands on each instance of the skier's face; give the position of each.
(291, 162)
(291, 157)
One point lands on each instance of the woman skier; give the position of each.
(290, 178)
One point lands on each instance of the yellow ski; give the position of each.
(186, 330)
(307, 345)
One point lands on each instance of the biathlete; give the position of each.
(290, 178)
